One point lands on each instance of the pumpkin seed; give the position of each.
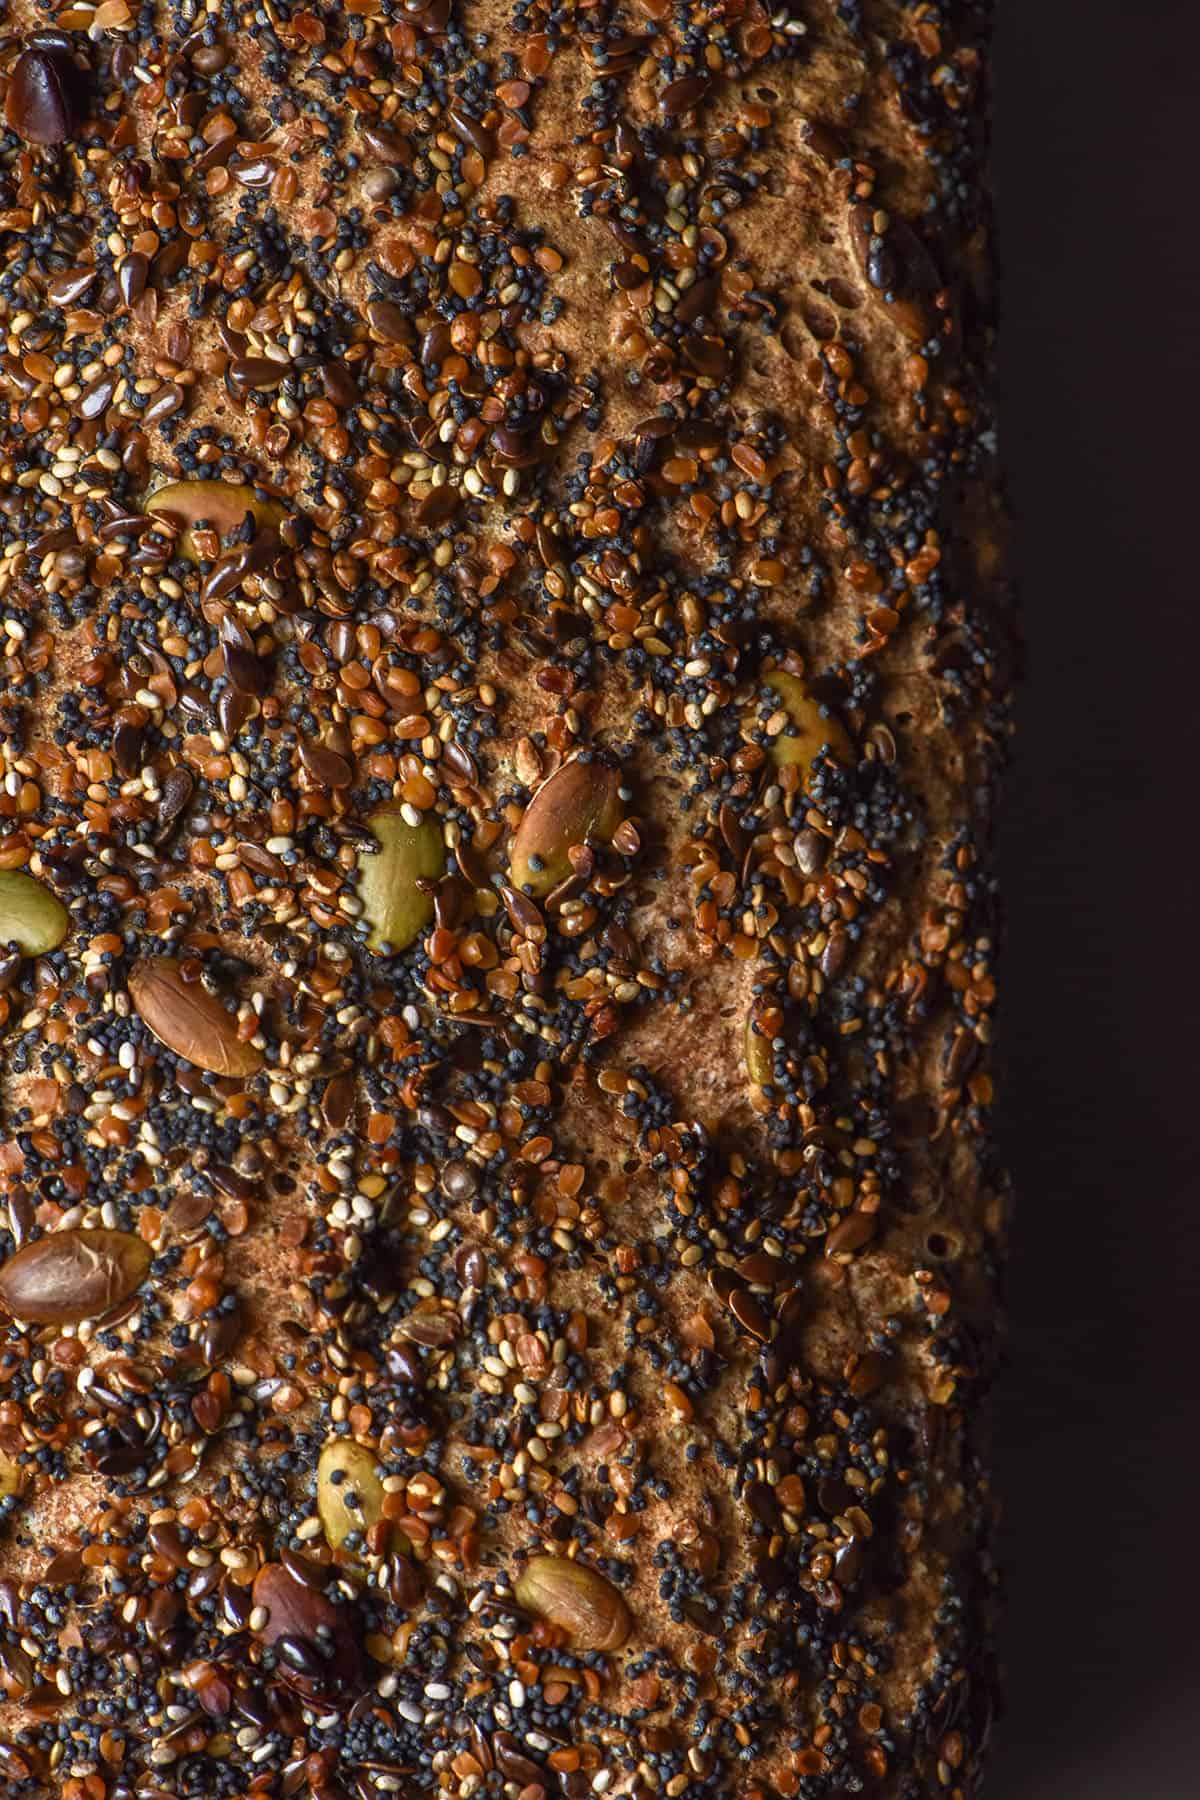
(395, 907)
(583, 1602)
(185, 1017)
(760, 1061)
(30, 915)
(811, 729)
(73, 1275)
(221, 504)
(578, 804)
(349, 1490)
(18, 1677)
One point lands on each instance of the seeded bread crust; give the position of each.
(574, 372)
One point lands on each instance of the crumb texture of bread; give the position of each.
(505, 666)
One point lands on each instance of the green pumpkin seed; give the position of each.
(394, 906)
(30, 915)
(579, 804)
(809, 730)
(349, 1490)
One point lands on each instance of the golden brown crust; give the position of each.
(609, 556)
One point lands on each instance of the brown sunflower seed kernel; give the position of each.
(69, 1276)
(578, 804)
(185, 1017)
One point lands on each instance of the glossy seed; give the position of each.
(303, 1615)
(177, 789)
(760, 1062)
(811, 851)
(808, 729)
(46, 97)
(30, 915)
(185, 1017)
(349, 1490)
(679, 97)
(70, 287)
(133, 272)
(72, 1275)
(387, 146)
(572, 1595)
(395, 907)
(580, 803)
(246, 373)
(899, 270)
(327, 767)
(389, 321)
(852, 1231)
(221, 506)
(750, 1314)
(189, 1209)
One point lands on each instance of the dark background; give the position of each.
(1096, 164)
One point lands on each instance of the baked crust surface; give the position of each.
(506, 662)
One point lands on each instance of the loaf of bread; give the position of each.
(506, 660)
